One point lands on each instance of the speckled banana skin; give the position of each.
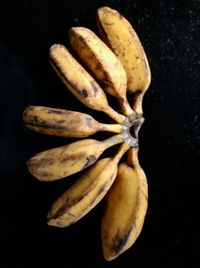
(125, 208)
(80, 82)
(118, 33)
(66, 160)
(102, 62)
(86, 193)
(64, 123)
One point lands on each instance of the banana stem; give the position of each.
(123, 148)
(119, 118)
(112, 141)
(125, 106)
(116, 128)
(132, 159)
(137, 102)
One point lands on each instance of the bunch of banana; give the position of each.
(118, 65)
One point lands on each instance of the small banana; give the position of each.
(125, 208)
(86, 193)
(66, 160)
(118, 33)
(102, 62)
(64, 123)
(80, 82)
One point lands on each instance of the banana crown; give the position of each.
(115, 63)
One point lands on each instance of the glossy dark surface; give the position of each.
(169, 138)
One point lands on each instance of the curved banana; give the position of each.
(125, 208)
(64, 123)
(118, 33)
(80, 82)
(66, 160)
(86, 193)
(102, 62)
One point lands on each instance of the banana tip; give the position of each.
(55, 223)
(52, 222)
(54, 48)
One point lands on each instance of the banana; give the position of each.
(102, 62)
(125, 208)
(118, 33)
(86, 193)
(64, 123)
(66, 160)
(80, 82)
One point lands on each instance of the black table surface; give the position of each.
(169, 139)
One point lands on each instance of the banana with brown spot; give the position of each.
(125, 208)
(65, 123)
(66, 160)
(102, 62)
(80, 82)
(118, 33)
(86, 193)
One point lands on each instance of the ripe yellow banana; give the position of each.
(118, 33)
(86, 193)
(80, 82)
(66, 160)
(65, 123)
(102, 62)
(125, 208)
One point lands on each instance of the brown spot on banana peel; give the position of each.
(72, 157)
(28, 111)
(41, 124)
(98, 66)
(119, 242)
(45, 173)
(82, 92)
(89, 161)
(60, 211)
(64, 209)
(95, 89)
(80, 37)
(34, 165)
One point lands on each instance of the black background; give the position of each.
(169, 139)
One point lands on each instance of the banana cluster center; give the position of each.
(131, 129)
